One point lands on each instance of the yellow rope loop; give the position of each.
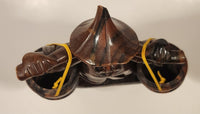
(55, 85)
(162, 79)
(62, 79)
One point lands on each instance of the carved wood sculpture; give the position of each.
(104, 51)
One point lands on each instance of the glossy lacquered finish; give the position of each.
(105, 51)
(104, 41)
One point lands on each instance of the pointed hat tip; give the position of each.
(101, 10)
(100, 6)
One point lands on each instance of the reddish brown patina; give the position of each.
(105, 51)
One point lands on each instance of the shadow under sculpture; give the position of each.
(105, 51)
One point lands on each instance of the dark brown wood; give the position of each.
(105, 51)
(42, 85)
(159, 51)
(48, 59)
(169, 60)
(104, 41)
(43, 67)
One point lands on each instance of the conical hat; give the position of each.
(104, 40)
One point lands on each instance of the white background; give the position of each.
(26, 25)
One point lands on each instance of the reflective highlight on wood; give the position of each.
(106, 51)
(104, 40)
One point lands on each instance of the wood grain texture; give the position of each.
(104, 40)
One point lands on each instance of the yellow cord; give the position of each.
(149, 68)
(162, 79)
(62, 79)
(55, 85)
